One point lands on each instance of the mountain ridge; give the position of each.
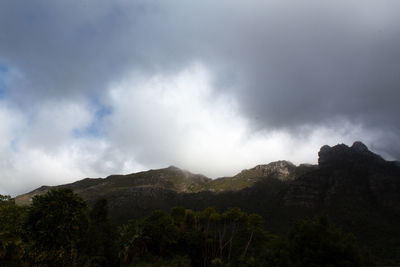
(182, 181)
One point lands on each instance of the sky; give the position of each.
(90, 88)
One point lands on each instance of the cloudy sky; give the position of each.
(94, 87)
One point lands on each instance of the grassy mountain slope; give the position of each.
(171, 178)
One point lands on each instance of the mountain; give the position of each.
(171, 179)
(174, 180)
(356, 188)
(348, 176)
(281, 170)
(136, 195)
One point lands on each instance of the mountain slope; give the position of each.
(281, 170)
(171, 178)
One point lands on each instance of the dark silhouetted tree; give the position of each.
(316, 242)
(12, 247)
(102, 237)
(57, 227)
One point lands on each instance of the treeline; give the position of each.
(59, 229)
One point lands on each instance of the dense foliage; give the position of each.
(233, 238)
(59, 229)
(12, 246)
(56, 226)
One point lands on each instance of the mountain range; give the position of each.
(356, 188)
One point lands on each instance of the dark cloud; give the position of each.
(296, 62)
(66, 48)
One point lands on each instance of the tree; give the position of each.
(196, 238)
(57, 226)
(160, 231)
(102, 237)
(12, 248)
(316, 242)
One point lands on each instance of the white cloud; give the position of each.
(53, 123)
(41, 149)
(181, 120)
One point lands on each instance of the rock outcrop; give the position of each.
(347, 176)
(340, 155)
(282, 170)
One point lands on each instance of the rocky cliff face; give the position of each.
(341, 155)
(282, 170)
(347, 175)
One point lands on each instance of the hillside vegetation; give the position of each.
(59, 229)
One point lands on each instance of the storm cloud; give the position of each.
(89, 87)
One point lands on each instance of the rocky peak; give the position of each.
(360, 147)
(343, 154)
(173, 168)
(282, 169)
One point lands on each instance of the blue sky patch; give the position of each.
(95, 129)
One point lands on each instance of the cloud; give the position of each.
(290, 59)
(177, 119)
(92, 87)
